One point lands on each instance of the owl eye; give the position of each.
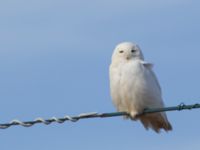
(121, 51)
(133, 51)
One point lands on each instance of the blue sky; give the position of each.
(54, 59)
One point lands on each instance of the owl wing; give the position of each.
(156, 121)
(149, 66)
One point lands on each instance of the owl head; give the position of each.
(127, 51)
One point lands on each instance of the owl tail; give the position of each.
(156, 121)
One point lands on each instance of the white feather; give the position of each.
(133, 83)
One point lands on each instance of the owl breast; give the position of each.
(132, 88)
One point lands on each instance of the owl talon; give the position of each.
(134, 115)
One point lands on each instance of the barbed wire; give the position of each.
(180, 107)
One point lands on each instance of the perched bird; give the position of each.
(135, 87)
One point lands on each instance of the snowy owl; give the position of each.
(135, 87)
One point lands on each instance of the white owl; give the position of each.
(135, 87)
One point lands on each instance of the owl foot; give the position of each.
(134, 115)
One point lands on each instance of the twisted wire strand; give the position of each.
(15, 122)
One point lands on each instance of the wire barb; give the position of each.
(180, 107)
